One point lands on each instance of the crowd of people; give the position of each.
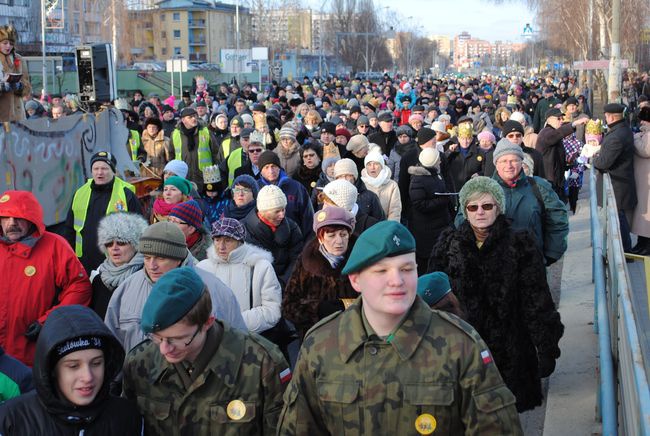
(328, 216)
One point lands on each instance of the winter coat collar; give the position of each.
(247, 254)
(314, 262)
(407, 337)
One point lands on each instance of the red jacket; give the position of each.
(37, 274)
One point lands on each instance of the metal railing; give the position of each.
(623, 391)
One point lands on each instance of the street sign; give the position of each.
(259, 53)
(600, 64)
(176, 65)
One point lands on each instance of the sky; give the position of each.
(483, 19)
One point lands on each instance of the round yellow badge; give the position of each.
(312, 184)
(236, 410)
(425, 424)
(321, 216)
(4, 198)
(479, 158)
(30, 270)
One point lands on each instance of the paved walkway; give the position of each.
(571, 401)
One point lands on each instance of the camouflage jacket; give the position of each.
(436, 375)
(246, 367)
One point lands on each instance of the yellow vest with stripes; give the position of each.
(234, 162)
(134, 144)
(204, 154)
(80, 202)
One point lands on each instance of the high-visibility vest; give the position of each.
(205, 155)
(134, 144)
(234, 162)
(117, 203)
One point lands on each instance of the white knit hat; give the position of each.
(344, 167)
(342, 192)
(374, 156)
(438, 126)
(178, 167)
(429, 157)
(271, 197)
(518, 116)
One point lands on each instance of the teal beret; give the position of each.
(384, 239)
(432, 287)
(171, 298)
(182, 184)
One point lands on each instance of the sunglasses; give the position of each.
(255, 150)
(514, 135)
(474, 207)
(119, 244)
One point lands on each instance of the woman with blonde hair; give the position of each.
(501, 115)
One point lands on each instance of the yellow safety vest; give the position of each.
(134, 144)
(80, 202)
(205, 155)
(234, 162)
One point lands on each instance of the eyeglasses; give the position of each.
(119, 244)
(173, 342)
(241, 190)
(255, 150)
(474, 207)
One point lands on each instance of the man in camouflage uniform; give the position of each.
(197, 376)
(389, 365)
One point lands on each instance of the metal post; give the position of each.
(180, 85)
(614, 80)
(44, 90)
(259, 70)
(238, 59)
(114, 29)
(172, 74)
(367, 35)
(590, 53)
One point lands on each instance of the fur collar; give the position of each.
(314, 262)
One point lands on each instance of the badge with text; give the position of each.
(236, 410)
(425, 424)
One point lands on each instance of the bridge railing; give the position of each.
(623, 394)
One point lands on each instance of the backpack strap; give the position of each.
(538, 196)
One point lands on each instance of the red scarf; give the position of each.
(192, 239)
(267, 222)
(162, 208)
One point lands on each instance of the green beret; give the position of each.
(433, 287)
(384, 239)
(171, 298)
(182, 184)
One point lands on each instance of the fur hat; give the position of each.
(482, 185)
(121, 227)
(270, 197)
(344, 167)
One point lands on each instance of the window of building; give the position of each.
(163, 34)
(162, 17)
(177, 34)
(164, 51)
(177, 50)
(176, 16)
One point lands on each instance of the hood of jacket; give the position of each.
(23, 204)
(248, 254)
(63, 324)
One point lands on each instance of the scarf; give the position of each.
(382, 178)
(162, 208)
(113, 276)
(189, 133)
(333, 260)
(192, 239)
(239, 213)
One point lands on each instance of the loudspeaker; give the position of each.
(96, 73)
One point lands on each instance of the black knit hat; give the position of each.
(268, 157)
(512, 126)
(425, 135)
(104, 156)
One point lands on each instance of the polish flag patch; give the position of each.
(285, 376)
(486, 356)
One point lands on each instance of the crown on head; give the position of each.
(594, 127)
(211, 174)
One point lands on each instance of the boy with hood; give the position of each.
(77, 357)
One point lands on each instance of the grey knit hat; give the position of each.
(163, 239)
(506, 147)
(482, 185)
(121, 227)
(288, 132)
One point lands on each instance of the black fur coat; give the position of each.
(503, 289)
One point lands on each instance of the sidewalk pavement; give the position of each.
(571, 400)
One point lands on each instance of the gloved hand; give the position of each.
(5, 87)
(546, 366)
(550, 261)
(33, 331)
(18, 86)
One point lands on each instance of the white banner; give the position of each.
(230, 58)
(52, 158)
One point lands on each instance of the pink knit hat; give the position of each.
(486, 135)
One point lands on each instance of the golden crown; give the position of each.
(594, 127)
(465, 130)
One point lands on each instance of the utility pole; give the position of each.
(590, 55)
(367, 34)
(44, 90)
(114, 29)
(237, 58)
(614, 80)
